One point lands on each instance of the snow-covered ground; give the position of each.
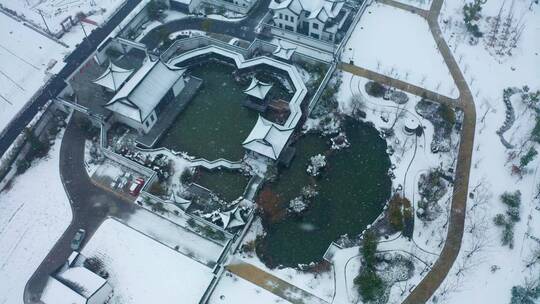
(232, 289)
(423, 4)
(30, 224)
(55, 11)
(28, 59)
(489, 276)
(399, 44)
(143, 270)
(172, 235)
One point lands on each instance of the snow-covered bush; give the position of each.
(329, 124)
(432, 187)
(508, 220)
(340, 142)
(301, 203)
(317, 163)
(298, 205)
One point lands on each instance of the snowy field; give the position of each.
(27, 61)
(423, 4)
(490, 276)
(55, 11)
(399, 44)
(232, 289)
(30, 224)
(143, 270)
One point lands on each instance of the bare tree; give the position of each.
(533, 257)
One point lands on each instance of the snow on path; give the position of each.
(30, 224)
(399, 44)
(341, 260)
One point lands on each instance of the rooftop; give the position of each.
(143, 92)
(268, 138)
(258, 89)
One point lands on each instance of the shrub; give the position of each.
(157, 189)
(508, 235)
(471, 14)
(535, 134)
(155, 8)
(375, 89)
(527, 158)
(525, 295)
(370, 285)
(395, 214)
(369, 248)
(186, 177)
(448, 115)
(499, 220)
(159, 207)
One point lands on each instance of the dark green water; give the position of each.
(215, 123)
(353, 189)
(227, 184)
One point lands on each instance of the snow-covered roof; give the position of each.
(258, 89)
(284, 52)
(86, 282)
(143, 92)
(232, 218)
(56, 292)
(113, 77)
(320, 9)
(267, 138)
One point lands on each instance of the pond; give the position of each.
(227, 184)
(353, 189)
(215, 123)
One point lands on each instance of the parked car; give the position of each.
(136, 186)
(78, 239)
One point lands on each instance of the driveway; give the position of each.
(90, 206)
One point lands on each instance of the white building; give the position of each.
(138, 101)
(319, 19)
(76, 285)
(267, 138)
(238, 6)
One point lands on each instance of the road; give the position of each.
(243, 29)
(57, 83)
(90, 206)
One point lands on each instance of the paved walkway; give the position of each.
(429, 284)
(274, 284)
(399, 84)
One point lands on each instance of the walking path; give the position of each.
(274, 284)
(399, 84)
